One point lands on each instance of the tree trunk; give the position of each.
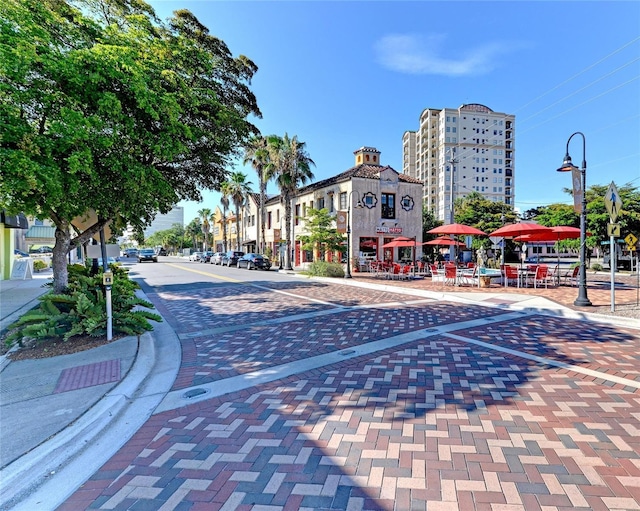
(263, 197)
(59, 258)
(224, 229)
(287, 221)
(237, 227)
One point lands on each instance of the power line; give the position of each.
(580, 73)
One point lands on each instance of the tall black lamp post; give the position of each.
(567, 166)
(358, 205)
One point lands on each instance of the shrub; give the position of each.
(325, 269)
(39, 265)
(82, 310)
(596, 267)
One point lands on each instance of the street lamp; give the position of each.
(452, 220)
(358, 205)
(567, 166)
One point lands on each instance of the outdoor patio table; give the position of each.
(525, 275)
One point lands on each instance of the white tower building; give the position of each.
(475, 142)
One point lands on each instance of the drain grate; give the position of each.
(190, 394)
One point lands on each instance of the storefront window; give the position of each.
(369, 246)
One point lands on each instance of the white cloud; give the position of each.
(415, 54)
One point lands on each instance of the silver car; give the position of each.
(216, 258)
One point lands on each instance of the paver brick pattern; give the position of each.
(217, 356)
(436, 421)
(433, 424)
(597, 346)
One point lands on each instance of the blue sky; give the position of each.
(341, 75)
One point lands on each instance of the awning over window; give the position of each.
(41, 234)
(249, 242)
(18, 221)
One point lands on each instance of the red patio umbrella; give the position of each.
(399, 243)
(457, 229)
(445, 241)
(557, 233)
(514, 230)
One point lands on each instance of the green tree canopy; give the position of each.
(475, 210)
(323, 235)
(104, 108)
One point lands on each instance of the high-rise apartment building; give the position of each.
(458, 151)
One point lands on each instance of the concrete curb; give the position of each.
(58, 467)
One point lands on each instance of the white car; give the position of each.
(196, 256)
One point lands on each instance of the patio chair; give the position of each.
(407, 272)
(395, 272)
(572, 276)
(469, 276)
(542, 276)
(510, 273)
(450, 275)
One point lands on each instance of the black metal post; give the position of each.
(347, 274)
(582, 300)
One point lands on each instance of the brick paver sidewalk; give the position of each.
(452, 407)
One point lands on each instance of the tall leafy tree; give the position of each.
(256, 152)
(429, 221)
(205, 213)
(323, 235)
(104, 108)
(238, 189)
(290, 164)
(194, 229)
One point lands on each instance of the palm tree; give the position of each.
(194, 229)
(205, 213)
(290, 164)
(256, 152)
(239, 189)
(224, 200)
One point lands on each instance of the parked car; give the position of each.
(131, 252)
(206, 256)
(195, 256)
(41, 250)
(251, 261)
(231, 257)
(147, 254)
(161, 251)
(20, 253)
(110, 261)
(216, 258)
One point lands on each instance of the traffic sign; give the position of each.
(631, 240)
(613, 230)
(612, 202)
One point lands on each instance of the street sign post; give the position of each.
(612, 202)
(613, 230)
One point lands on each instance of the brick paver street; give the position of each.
(431, 405)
